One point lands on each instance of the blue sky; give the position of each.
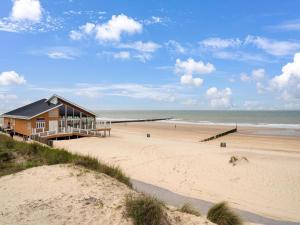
(151, 54)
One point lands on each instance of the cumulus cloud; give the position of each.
(219, 43)
(219, 98)
(288, 82)
(26, 10)
(175, 46)
(188, 79)
(112, 30)
(84, 30)
(11, 78)
(116, 26)
(191, 67)
(273, 47)
(28, 15)
(256, 75)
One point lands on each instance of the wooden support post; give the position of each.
(66, 115)
(80, 125)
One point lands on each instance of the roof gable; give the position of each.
(56, 99)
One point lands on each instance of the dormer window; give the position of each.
(54, 100)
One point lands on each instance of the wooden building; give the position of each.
(53, 116)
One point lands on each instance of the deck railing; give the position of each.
(93, 129)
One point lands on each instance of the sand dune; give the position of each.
(268, 184)
(64, 194)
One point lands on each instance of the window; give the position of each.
(40, 123)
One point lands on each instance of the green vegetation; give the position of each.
(187, 208)
(16, 156)
(221, 214)
(146, 210)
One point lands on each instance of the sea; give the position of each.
(268, 119)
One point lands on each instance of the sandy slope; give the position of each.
(175, 159)
(57, 195)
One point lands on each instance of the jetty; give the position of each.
(140, 120)
(220, 135)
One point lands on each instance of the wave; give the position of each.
(266, 125)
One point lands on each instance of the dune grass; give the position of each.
(146, 210)
(221, 214)
(16, 156)
(188, 208)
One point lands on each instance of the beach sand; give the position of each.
(173, 158)
(64, 194)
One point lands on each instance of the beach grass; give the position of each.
(146, 210)
(188, 208)
(221, 214)
(17, 155)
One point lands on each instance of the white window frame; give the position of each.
(40, 124)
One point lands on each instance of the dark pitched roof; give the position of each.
(32, 109)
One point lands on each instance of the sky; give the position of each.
(235, 55)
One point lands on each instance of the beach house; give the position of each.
(53, 117)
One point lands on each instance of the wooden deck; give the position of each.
(100, 132)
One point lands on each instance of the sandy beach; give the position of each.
(267, 183)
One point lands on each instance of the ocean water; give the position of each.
(276, 119)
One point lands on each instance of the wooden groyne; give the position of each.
(220, 135)
(140, 120)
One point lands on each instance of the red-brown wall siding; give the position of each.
(24, 127)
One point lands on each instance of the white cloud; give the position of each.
(11, 78)
(153, 20)
(86, 29)
(188, 79)
(244, 77)
(29, 16)
(240, 56)
(141, 46)
(289, 26)
(191, 67)
(218, 43)
(59, 55)
(122, 55)
(160, 93)
(26, 10)
(273, 47)
(143, 57)
(116, 26)
(175, 46)
(219, 98)
(288, 82)
(112, 30)
(58, 52)
(258, 74)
